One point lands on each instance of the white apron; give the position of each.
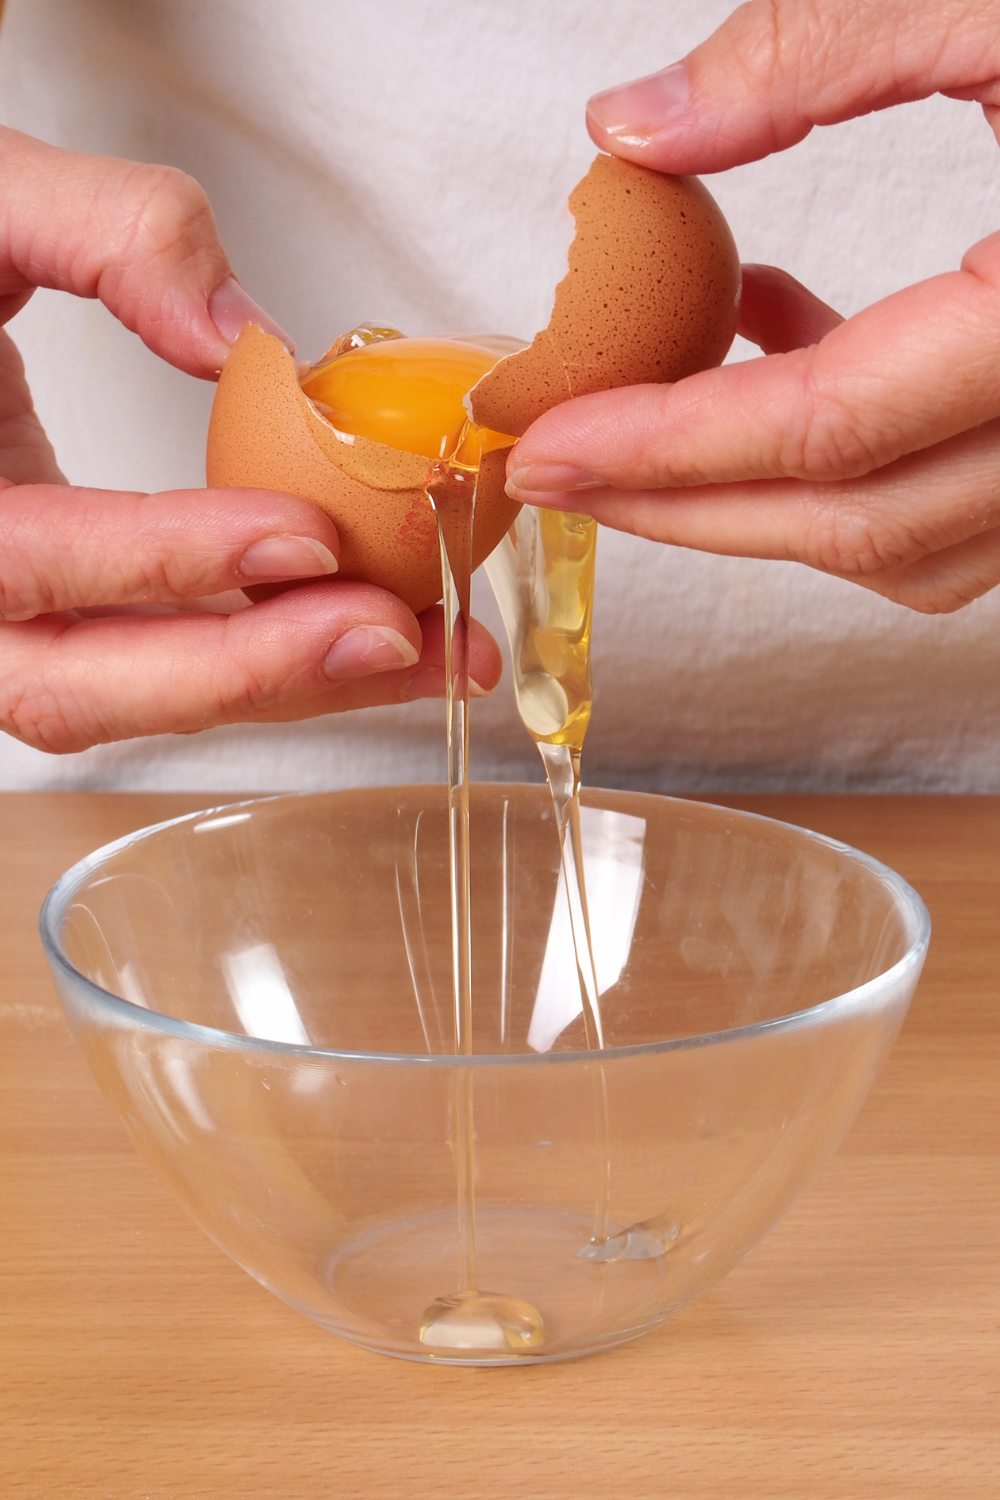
(409, 160)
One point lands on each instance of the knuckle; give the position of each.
(798, 51)
(152, 576)
(849, 541)
(757, 29)
(241, 696)
(23, 594)
(10, 604)
(164, 208)
(948, 582)
(931, 596)
(944, 601)
(243, 683)
(841, 546)
(828, 442)
(757, 37)
(773, 36)
(34, 714)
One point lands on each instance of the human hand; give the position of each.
(869, 449)
(123, 614)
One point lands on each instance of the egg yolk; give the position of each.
(406, 393)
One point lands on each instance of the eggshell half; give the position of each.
(265, 433)
(652, 294)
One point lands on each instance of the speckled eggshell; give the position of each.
(265, 433)
(651, 295)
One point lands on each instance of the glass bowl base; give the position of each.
(389, 1278)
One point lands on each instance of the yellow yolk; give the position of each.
(406, 393)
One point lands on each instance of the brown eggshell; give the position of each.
(265, 433)
(652, 294)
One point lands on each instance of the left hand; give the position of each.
(123, 614)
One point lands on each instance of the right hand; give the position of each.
(868, 449)
(123, 614)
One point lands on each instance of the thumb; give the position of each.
(776, 68)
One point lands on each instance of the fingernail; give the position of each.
(550, 477)
(368, 648)
(230, 309)
(634, 112)
(287, 557)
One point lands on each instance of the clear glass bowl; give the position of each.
(264, 995)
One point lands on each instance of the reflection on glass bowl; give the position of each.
(264, 996)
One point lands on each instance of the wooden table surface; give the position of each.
(855, 1353)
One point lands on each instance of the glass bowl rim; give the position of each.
(910, 905)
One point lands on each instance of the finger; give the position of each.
(63, 548)
(67, 683)
(778, 313)
(943, 581)
(428, 679)
(776, 68)
(26, 455)
(922, 531)
(424, 680)
(140, 238)
(912, 370)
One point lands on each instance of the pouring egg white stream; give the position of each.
(403, 441)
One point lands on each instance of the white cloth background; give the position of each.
(410, 160)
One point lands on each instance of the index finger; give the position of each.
(776, 68)
(910, 371)
(140, 238)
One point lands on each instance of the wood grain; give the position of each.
(855, 1354)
